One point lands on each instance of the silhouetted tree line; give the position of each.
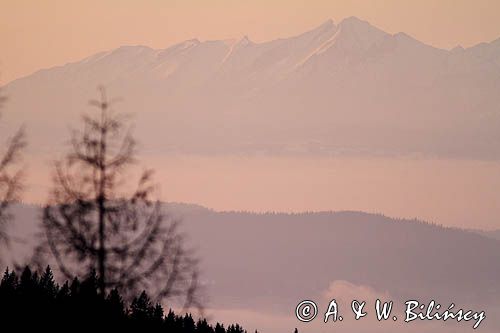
(28, 298)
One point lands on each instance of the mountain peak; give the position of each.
(326, 26)
(244, 41)
(457, 49)
(359, 33)
(192, 42)
(356, 23)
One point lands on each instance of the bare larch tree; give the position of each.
(10, 177)
(90, 224)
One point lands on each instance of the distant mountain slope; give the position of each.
(339, 88)
(495, 234)
(272, 260)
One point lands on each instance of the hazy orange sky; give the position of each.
(40, 34)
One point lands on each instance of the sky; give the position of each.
(42, 34)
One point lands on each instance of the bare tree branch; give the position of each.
(11, 177)
(127, 239)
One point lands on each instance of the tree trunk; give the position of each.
(101, 204)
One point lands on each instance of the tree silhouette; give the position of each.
(219, 328)
(36, 298)
(90, 223)
(10, 177)
(141, 308)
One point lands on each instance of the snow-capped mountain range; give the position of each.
(339, 88)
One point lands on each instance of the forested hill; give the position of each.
(405, 258)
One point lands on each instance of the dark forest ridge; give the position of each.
(78, 304)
